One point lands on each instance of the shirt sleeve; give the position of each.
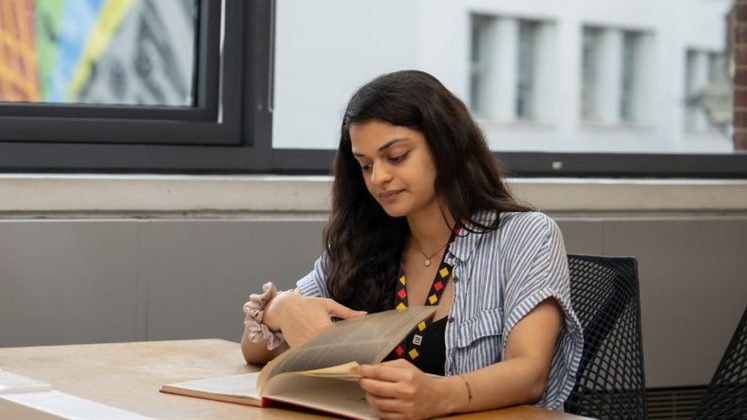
(537, 269)
(314, 284)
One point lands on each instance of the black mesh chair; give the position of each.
(610, 383)
(726, 395)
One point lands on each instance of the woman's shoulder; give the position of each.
(512, 225)
(512, 219)
(526, 225)
(533, 217)
(522, 226)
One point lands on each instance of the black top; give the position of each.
(433, 355)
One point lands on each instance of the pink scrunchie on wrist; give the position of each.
(255, 311)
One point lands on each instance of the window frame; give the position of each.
(563, 165)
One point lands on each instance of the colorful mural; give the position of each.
(126, 52)
(18, 63)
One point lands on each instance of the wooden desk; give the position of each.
(128, 375)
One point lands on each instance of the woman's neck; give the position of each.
(431, 229)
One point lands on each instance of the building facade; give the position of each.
(540, 75)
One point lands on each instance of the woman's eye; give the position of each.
(399, 158)
(365, 167)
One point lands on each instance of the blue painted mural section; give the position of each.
(78, 19)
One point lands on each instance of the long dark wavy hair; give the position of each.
(364, 244)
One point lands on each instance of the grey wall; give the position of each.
(86, 281)
(693, 278)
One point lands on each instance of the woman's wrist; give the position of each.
(467, 391)
(458, 395)
(273, 311)
(255, 321)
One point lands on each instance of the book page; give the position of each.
(337, 372)
(238, 387)
(364, 340)
(331, 395)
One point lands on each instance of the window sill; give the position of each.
(192, 196)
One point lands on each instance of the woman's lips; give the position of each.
(390, 195)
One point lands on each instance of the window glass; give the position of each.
(479, 68)
(510, 67)
(102, 52)
(630, 61)
(261, 85)
(526, 70)
(134, 85)
(541, 76)
(590, 59)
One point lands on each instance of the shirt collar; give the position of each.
(469, 236)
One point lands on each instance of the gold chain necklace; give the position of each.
(428, 257)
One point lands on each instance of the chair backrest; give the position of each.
(610, 383)
(726, 395)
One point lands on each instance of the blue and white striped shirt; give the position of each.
(499, 277)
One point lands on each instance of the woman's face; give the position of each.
(396, 165)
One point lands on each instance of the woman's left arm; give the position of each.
(397, 389)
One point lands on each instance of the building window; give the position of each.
(479, 68)
(614, 75)
(511, 62)
(590, 61)
(630, 65)
(526, 70)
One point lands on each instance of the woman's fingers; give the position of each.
(398, 389)
(388, 380)
(341, 311)
(387, 408)
(391, 371)
(303, 317)
(379, 388)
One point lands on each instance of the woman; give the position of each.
(421, 215)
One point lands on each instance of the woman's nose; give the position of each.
(380, 175)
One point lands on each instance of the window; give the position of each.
(591, 57)
(237, 86)
(602, 97)
(614, 73)
(479, 69)
(526, 70)
(631, 77)
(114, 53)
(133, 84)
(511, 61)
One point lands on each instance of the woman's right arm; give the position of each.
(298, 318)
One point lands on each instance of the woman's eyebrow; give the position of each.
(385, 146)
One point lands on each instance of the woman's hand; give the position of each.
(399, 390)
(299, 317)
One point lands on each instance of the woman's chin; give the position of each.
(394, 211)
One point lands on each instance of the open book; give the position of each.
(316, 374)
